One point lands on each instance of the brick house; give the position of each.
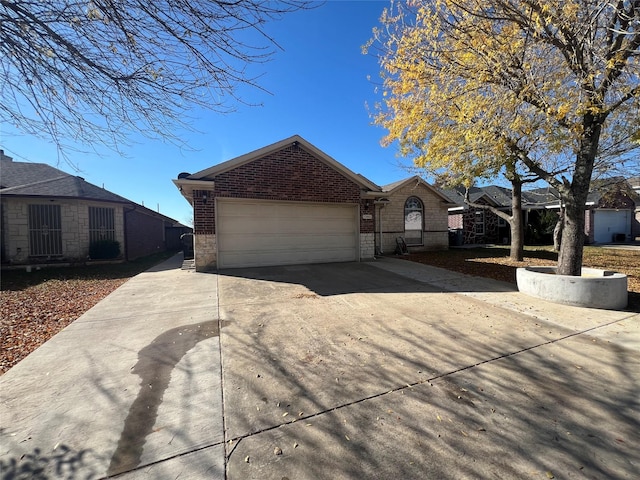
(287, 203)
(49, 216)
(610, 215)
(472, 225)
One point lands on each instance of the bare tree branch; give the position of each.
(95, 71)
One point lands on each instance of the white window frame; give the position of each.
(414, 205)
(478, 225)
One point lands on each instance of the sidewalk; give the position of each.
(505, 295)
(133, 381)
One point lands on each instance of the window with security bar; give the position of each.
(101, 224)
(45, 230)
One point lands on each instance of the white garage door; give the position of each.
(606, 223)
(259, 233)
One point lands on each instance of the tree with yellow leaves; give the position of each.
(547, 88)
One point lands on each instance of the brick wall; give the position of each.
(290, 174)
(589, 229)
(455, 221)
(204, 221)
(145, 234)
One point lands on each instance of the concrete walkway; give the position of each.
(372, 370)
(133, 382)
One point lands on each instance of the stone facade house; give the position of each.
(49, 216)
(290, 203)
(414, 210)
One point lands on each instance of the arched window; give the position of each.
(413, 221)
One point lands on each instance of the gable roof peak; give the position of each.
(296, 140)
(418, 180)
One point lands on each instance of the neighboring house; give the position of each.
(611, 214)
(634, 183)
(290, 203)
(612, 204)
(474, 226)
(49, 216)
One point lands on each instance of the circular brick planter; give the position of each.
(594, 288)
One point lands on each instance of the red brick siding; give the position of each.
(589, 231)
(290, 174)
(455, 221)
(145, 235)
(204, 221)
(367, 208)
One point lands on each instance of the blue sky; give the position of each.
(319, 86)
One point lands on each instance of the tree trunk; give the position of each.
(572, 240)
(557, 231)
(516, 253)
(575, 199)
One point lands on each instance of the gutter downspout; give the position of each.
(380, 228)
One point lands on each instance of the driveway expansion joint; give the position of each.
(236, 440)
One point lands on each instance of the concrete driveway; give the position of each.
(353, 371)
(369, 370)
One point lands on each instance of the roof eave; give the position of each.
(187, 186)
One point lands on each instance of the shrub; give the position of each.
(104, 249)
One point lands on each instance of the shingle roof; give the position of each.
(417, 180)
(534, 198)
(500, 195)
(41, 180)
(391, 186)
(540, 197)
(456, 195)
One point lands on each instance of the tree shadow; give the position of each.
(425, 393)
(62, 462)
(155, 365)
(324, 279)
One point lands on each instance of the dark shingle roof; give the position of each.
(541, 197)
(456, 195)
(41, 180)
(534, 198)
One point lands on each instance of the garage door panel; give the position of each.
(610, 222)
(294, 258)
(255, 233)
(237, 226)
(241, 243)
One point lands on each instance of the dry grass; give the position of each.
(35, 306)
